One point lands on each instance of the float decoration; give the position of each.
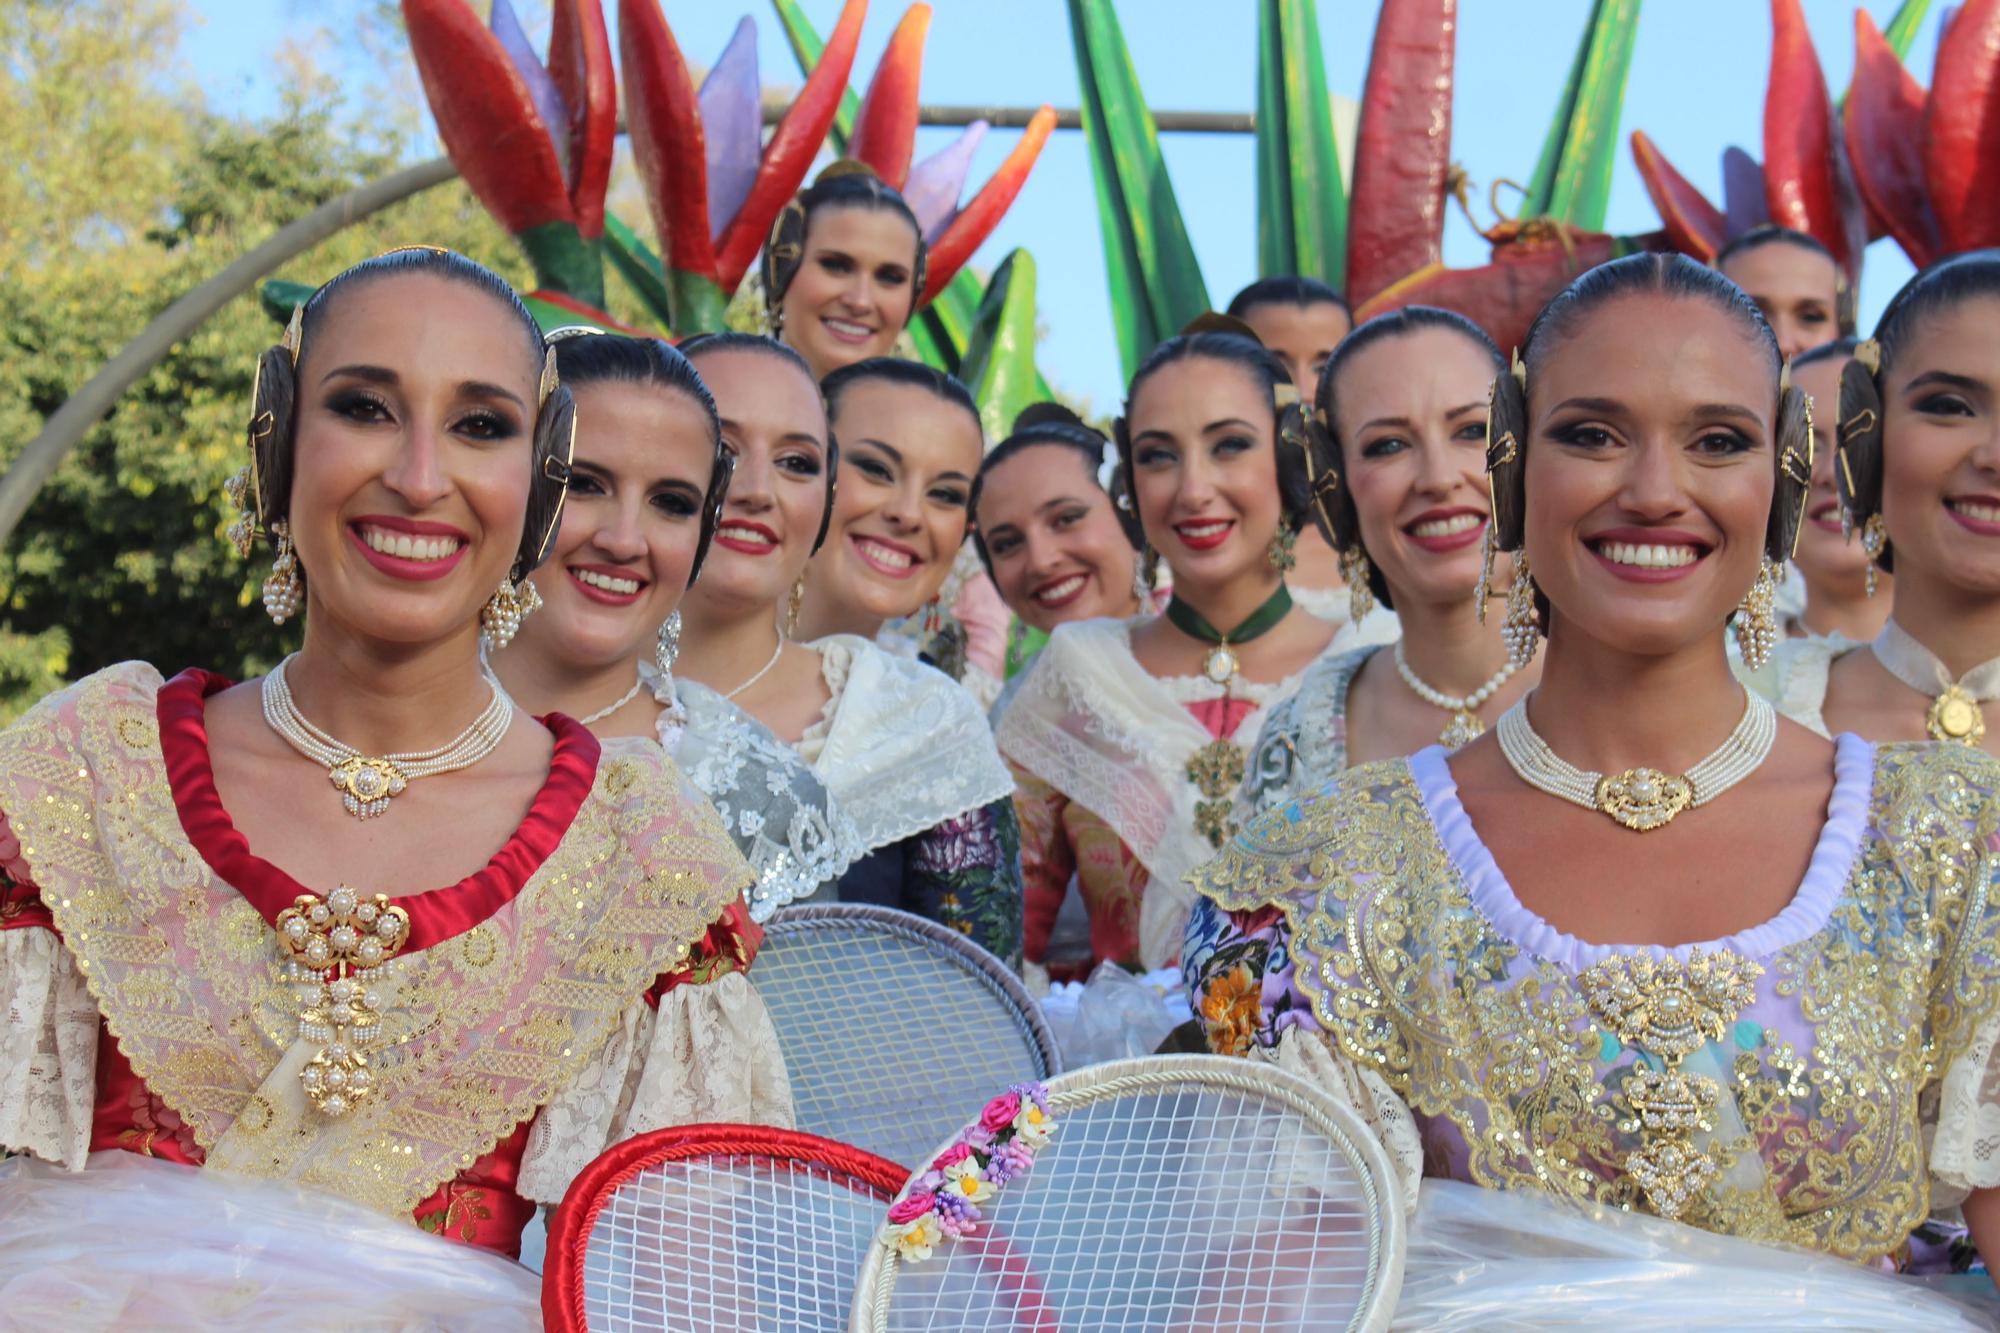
(532, 140)
(999, 361)
(1572, 180)
(1962, 129)
(881, 131)
(703, 260)
(1402, 149)
(1301, 194)
(1839, 174)
(1156, 284)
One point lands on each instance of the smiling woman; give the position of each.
(1642, 892)
(410, 450)
(843, 269)
(1403, 402)
(1122, 736)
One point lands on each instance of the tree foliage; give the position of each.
(124, 189)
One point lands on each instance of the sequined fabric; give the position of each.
(1353, 913)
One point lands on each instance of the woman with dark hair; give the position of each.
(647, 489)
(905, 753)
(1302, 321)
(1795, 281)
(1057, 547)
(1125, 734)
(1918, 465)
(1643, 944)
(1403, 406)
(843, 269)
(246, 873)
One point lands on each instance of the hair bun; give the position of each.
(1214, 321)
(1049, 414)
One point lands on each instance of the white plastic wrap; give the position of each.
(1493, 1260)
(134, 1242)
(1115, 1015)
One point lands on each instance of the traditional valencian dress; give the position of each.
(1106, 756)
(907, 755)
(1821, 1079)
(587, 985)
(1304, 740)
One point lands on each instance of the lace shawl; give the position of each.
(1116, 739)
(900, 747)
(778, 811)
(1794, 680)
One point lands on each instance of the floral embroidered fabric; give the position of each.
(1856, 1079)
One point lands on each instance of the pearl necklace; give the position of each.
(623, 699)
(1465, 724)
(367, 784)
(1641, 799)
(761, 671)
(1954, 714)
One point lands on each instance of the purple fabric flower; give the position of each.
(956, 1215)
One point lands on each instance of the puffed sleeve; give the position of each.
(698, 1048)
(48, 1025)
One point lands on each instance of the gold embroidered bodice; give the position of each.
(1804, 1060)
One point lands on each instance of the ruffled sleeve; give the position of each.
(699, 1048)
(1939, 808)
(48, 1025)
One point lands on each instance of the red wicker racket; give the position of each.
(715, 1229)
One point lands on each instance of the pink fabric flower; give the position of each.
(952, 1156)
(1000, 1112)
(911, 1207)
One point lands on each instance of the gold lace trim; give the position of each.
(1821, 1147)
(486, 1027)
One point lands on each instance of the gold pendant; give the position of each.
(1670, 1009)
(1220, 665)
(1643, 799)
(1464, 728)
(1956, 716)
(367, 785)
(339, 942)
(1216, 770)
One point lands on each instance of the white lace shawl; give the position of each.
(1794, 680)
(1116, 739)
(901, 747)
(774, 807)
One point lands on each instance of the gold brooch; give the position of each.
(336, 945)
(1216, 769)
(1670, 1009)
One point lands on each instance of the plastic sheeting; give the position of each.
(134, 1242)
(1116, 1015)
(1493, 1261)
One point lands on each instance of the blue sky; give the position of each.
(1696, 86)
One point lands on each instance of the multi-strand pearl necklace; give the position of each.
(367, 784)
(1640, 798)
(1465, 724)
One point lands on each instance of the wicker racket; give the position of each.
(715, 1229)
(1178, 1193)
(893, 1028)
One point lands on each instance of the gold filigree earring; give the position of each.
(1354, 572)
(1755, 624)
(1874, 541)
(511, 603)
(1521, 627)
(1281, 552)
(794, 604)
(284, 593)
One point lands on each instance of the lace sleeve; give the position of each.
(699, 1048)
(1047, 860)
(965, 873)
(48, 1025)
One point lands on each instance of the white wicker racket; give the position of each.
(893, 1026)
(1178, 1193)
